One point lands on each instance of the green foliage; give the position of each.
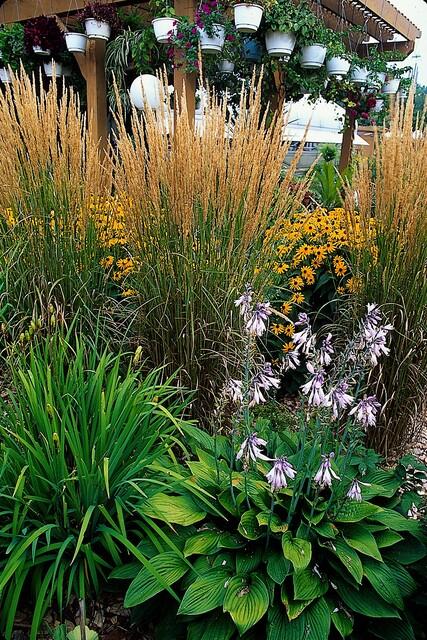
(327, 182)
(12, 47)
(276, 564)
(78, 438)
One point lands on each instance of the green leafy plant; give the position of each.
(162, 8)
(336, 46)
(283, 16)
(77, 441)
(327, 182)
(12, 47)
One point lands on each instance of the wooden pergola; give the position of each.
(379, 19)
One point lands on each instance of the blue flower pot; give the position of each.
(252, 50)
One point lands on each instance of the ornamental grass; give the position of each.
(391, 267)
(200, 204)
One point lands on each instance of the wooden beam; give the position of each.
(96, 92)
(406, 47)
(18, 10)
(185, 83)
(347, 142)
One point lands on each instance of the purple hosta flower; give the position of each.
(314, 387)
(250, 449)
(326, 349)
(263, 381)
(234, 390)
(376, 341)
(338, 398)
(303, 339)
(325, 473)
(257, 323)
(276, 477)
(291, 360)
(355, 491)
(366, 410)
(413, 512)
(245, 301)
(372, 317)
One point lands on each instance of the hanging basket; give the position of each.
(53, 69)
(359, 75)
(280, 44)
(247, 17)
(390, 87)
(215, 43)
(39, 51)
(252, 51)
(146, 90)
(5, 76)
(164, 28)
(313, 56)
(97, 29)
(225, 66)
(337, 67)
(76, 42)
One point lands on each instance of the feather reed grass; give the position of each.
(49, 173)
(392, 197)
(200, 205)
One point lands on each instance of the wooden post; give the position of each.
(347, 142)
(97, 92)
(185, 83)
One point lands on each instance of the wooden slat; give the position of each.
(185, 83)
(18, 10)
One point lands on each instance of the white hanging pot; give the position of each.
(337, 66)
(164, 28)
(247, 17)
(280, 44)
(39, 51)
(359, 75)
(53, 68)
(97, 29)
(225, 66)
(391, 86)
(215, 43)
(76, 42)
(146, 89)
(378, 106)
(5, 76)
(313, 56)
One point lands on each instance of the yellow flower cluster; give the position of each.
(109, 217)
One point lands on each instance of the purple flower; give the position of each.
(291, 360)
(250, 449)
(276, 477)
(233, 389)
(326, 349)
(375, 339)
(303, 339)
(355, 491)
(338, 398)
(245, 301)
(264, 380)
(256, 325)
(372, 317)
(314, 387)
(366, 410)
(325, 473)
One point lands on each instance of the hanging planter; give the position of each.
(391, 86)
(247, 17)
(100, 20)
(212, 43)
(39, 51)
(313, 56)
(146, 90)
(226, 66)
(359, 75)
(379, 105)
(337, 67)
(164, 28)
(76, 42)
(252, 51)
(280, 44)
(97, 29)
(53, 69)
(5, 76)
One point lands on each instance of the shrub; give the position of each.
(77, 439)
(390, 265)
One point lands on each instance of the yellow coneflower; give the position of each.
(289, 330)
(277, 329)
(298, 298)
(287, 308)
(296, 283)
(288, 346)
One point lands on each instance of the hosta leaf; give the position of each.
(277, 567)
(382, 579)
(294, 608)
(230, 541)
(248, 561)
(173, 509)
(280, 628)
(363, 541)
(326, 530)
(352, 511)
(308, 585)
(342, 621)
(383, 483)
(204, 542)
(404, 580)
(394, 630)
(266, 518)
(349, 558)
(248, 525)
(366, 602)
(387, 538)
(297, 550)
(246, 601)
(169, 566)
(397, 522)
(206, 593)
(318, 620)
(407, 551)
(217, 627)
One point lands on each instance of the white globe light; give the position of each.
(146, 89)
